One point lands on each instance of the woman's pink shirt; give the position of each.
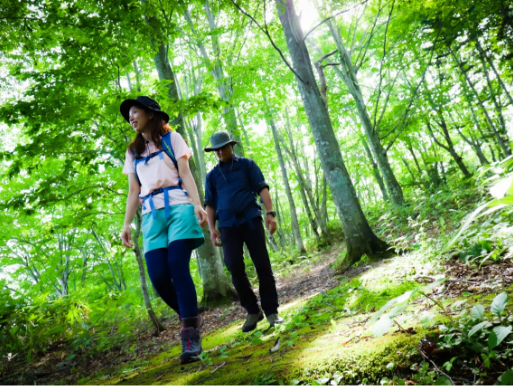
(160, 173)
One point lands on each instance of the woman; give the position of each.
(172, 212)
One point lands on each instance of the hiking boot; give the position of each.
(252, 321)
(191, 345)
(274, 319)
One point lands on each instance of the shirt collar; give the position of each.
(236, 158)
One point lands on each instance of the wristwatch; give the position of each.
(272, 213)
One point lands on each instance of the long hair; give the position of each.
(157, 129)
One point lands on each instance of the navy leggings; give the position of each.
(169, 273)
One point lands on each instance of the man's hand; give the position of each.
(201, 215)
(215, 237)
(126, 236)
(270, 224)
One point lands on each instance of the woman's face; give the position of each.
(138, 118)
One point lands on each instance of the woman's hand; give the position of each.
(201, 215)
(126, 236)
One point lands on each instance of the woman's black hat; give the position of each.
(145, 103)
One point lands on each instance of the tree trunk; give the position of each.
(492, 66)
(450, 146)
(350, 80)
(293, 215)
(375, 171)
(306, 191)
(360, 238)
(216, 287)
(142, 274)
(500, 140)
(216, 67)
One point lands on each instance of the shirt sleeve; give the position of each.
(180, 147)
(128, 167)
(210, 192)
(257, 178)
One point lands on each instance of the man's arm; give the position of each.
(270, 221)
(210, 206)
(215, 236)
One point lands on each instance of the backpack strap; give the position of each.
(168, 149)
(135, 167)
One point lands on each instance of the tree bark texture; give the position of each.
(360, 238)
(293, 215)
(217, 289)
(142, 274)
(350, 80)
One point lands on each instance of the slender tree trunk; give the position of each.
(349, 78)
(500, 140)
(309, 191)
(492, 66)
(450, 147)
(293, 216)
(142, 274)
(306, 191)
(360, 238)
(324, 203)
(216, 287)
(216, 67)
(375, 170)
(493, 97)
(279, 231)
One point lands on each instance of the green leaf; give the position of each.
(501, 333)
(499, 303)
(477, 311)
(492, 340)
(256, 341)
(506, 378)
(477, 327)
(382, 326)
(499, 189)
(443, 380)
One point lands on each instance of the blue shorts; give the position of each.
(182, 224)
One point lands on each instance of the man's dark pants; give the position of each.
(253, 235)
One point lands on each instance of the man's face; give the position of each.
(225, 153)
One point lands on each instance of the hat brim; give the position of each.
(212, 148)
(125, 106)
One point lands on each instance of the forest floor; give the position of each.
(328, 335)
(324, 339)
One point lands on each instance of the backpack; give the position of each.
(167, 148)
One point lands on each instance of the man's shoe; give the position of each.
(252, 321)
(191, 345)
(274, 319)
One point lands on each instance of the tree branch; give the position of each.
(332, 16)
(270, 39)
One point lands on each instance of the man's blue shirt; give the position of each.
(231, 188)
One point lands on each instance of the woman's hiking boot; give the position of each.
(198, 324)
(252, 321)
(191, 345)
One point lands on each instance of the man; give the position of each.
(230, 198)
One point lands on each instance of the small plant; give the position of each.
(476, 334)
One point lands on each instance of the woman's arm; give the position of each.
(132, 203)
(192, 189)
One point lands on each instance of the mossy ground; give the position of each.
(324, 337)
